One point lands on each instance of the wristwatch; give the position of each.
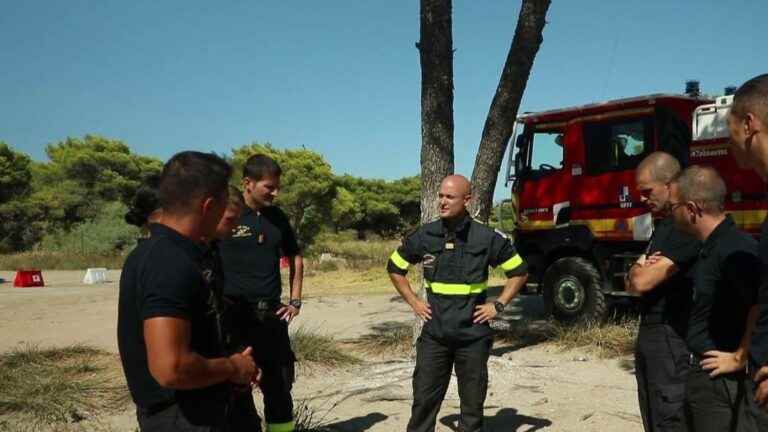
(295, 303)
(499, 306)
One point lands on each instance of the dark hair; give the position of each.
(191, 176)
(145, 201)
(752, 97)
(259, 166)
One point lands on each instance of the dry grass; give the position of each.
(387, 338)
(59, 261)
(313, 347)
(60, 385)
(603, 339)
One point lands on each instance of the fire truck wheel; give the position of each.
(572, 291)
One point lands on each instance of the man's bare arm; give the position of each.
(174, 365)
(296, 275)
(645, 277)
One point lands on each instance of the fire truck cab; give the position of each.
(580, 222)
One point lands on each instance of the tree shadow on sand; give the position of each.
(505, 420)
(357, 424)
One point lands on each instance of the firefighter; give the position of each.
(455, 252)
(251, 260)
(170, 349)
(665, 289)
(724, 308)
(242, 414)
(748, 124)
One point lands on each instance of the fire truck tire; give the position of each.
(572, 291)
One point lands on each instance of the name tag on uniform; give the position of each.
(449, 246)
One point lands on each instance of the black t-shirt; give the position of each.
(759, 346)
(671, 299)
(725, 288)
(251, 256)
(162, 278)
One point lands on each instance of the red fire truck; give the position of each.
(580, 223)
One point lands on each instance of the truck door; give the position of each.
(542, 182)
(603, 192)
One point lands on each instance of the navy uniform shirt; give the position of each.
(725, 288)
(670, 301)
(759, 347)
(162, 277)
(455, 263)
(251, 256)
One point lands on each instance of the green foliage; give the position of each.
(82, 175)
(106, 234)
(15, 174)
(307, 186)
(378, 206)
(18, 228)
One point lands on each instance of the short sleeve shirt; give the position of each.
(672, 298)
(759, 346)
(725, 288)
(162, 277)
(251, 256)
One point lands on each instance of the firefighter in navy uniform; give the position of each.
(251, 260)
(663, 279)
(455, 252)
(241, 410)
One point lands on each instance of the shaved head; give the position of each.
(453, 196)
(660, 166)
(703, 186)
(458, 182)
(652, 178)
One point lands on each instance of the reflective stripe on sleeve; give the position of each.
(512, 263)
(399, 261)
(457, 289)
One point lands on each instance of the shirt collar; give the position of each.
(460, 226)
(726, 225)
(194, 250)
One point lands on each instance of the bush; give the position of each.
(106, 234)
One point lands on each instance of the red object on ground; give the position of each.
(28, 278)
(283, 262)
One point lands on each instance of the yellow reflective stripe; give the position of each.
(457, 289)
(512, 263)
(280, 427)
(399, 261)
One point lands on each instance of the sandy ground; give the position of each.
(534, 388)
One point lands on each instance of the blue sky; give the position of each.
(338, 77)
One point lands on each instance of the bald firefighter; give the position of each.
(455, 252)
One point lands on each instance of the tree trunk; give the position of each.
(503, 111)
(436, 54)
